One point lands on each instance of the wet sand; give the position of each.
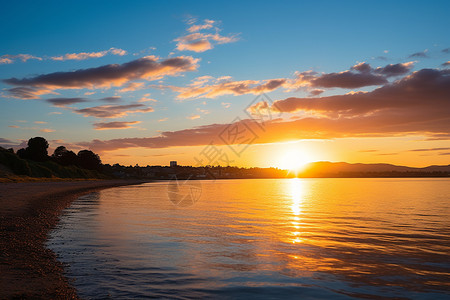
(28, 211)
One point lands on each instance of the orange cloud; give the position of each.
(193, 117)
(132, 86)
(200, 42)
(201, 88)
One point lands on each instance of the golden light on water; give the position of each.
(297, 193)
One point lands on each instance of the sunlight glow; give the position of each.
(294, 158)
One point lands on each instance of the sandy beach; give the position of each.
(28, 211)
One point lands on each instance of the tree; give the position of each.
(64, 157)
(89, 160)
(36, 150)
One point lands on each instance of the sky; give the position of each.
(246, 83)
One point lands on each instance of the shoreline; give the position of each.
(28, 212)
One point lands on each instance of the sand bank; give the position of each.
(28, 211)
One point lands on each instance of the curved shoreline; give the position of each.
(28, 211)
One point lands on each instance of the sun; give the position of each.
(294, 159)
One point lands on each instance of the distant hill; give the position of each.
(342, 169)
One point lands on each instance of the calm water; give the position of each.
(262, 238)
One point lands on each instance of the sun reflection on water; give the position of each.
(297, 190)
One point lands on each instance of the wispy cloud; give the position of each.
(63, 102)
(193, 117)
(422, 54)
(9, 59)
(29, 92)
(132, 86)
(114, 125)
(200, 41)
(113, 111)
(88, 55)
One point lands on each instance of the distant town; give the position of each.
(317, 169)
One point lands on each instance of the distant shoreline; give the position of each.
(29, 211)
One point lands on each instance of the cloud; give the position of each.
(422, 54)
(9, 59)
(13, 126)
(226, 104)
(149, 68)
(200, 42)
(359, 75)
(113, 111)
(208, 24)
(47, 130)
(395, 69)
(114, 125)
(347, 79)
(429, 149)
(63, 102)
(316, 92)
(424, 91)
(29, 92)
(88, 55)
(446, 50)
(146, 98)
(163, 119)
(212, 88)
(196, 45)
(132, 86)
(111, 99)
(446, 64)
(362, 67)
(40, 122)
(193, 117)
(55, 113)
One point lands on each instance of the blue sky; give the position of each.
(267, 40)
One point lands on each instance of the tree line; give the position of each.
(37, 150)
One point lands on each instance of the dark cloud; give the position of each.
(114, 125)
(62, 102)
(316, 92)
(348, 79)
(446, 50)
(425, 89)
(110, 75)
(446, 64)
(362, 67)
(111, 99)
(113, 111)
(395, 69)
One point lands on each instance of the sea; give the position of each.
(322, 238)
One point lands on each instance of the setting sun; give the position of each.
(295, 159)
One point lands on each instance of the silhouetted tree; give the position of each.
(64, 157)
(89, 160)
(36, 150)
